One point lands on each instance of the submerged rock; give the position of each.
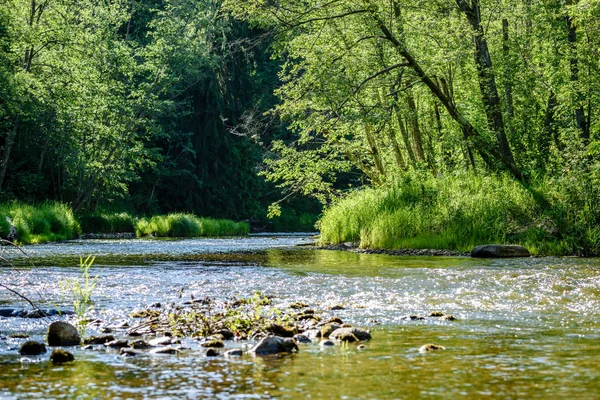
(212, 353)
(129, 352)
(117, 344)
(140, 344)
(326, 343)
(59, 356)
(350, 335)
(430, 347)
(62, 333)
(274, 345)
(19, 335)
(215, 343)
(164, 350)
(234, 353)
(302, 338)
(32, 348)
(162, 341)
(499, 251)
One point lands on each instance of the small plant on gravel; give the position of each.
(81, 290)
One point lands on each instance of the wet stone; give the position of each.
(234, 353)
(430, 347)
(99, 339)
(19, 336)
(302, 338)
(62, 333)
(350, 335)
(212, 352)
(326, 343)
(129, 352)
(32, 348)
(117, 344)
(60, 356)
(140, 344)
(436, 314)
(274, 345)
(215, 343)
(449, 318)
(164, 350)
(162, 341)
(226, 333)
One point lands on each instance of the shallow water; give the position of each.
(526, 328)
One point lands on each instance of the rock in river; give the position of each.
(499, 251)
(59, 356)
(32, 348)
(350, 335)
(62, 333)
(274, 345)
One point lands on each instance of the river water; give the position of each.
(525, 328)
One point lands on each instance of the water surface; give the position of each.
(526, 328)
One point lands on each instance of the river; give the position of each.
(525, 328)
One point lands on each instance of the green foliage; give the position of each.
(189, 225)
(459, 212)
(81, 290)
(107, 223)
(39, 223)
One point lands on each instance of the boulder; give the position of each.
(59, 356)
(350, 335)
(140, 344)
(274, 345)
(32, 348)
(62, 333)
(499, 251)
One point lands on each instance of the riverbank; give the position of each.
(51, 222)
(458, 213)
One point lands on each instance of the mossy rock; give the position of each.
(60, 356)
(32, 348)
(215, 343)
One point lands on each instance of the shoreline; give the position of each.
(398, 252)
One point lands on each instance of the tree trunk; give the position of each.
(374, 151)
(485, 148)
(487, 80)
(584, 129)
(415, 130)
(8, 145)
(507, 69)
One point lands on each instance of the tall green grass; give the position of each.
(108, 223)
(189, 225)
(39, 223)
(459, 212)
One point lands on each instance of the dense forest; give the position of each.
(224, 107)
(144, 106)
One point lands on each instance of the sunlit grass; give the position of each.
(457, 213)
(46, 222)
(189, 225)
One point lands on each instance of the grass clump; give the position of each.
(459, 212)
(108, 223)
(189, 225)
(46, 222)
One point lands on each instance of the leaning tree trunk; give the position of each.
(487, 79)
